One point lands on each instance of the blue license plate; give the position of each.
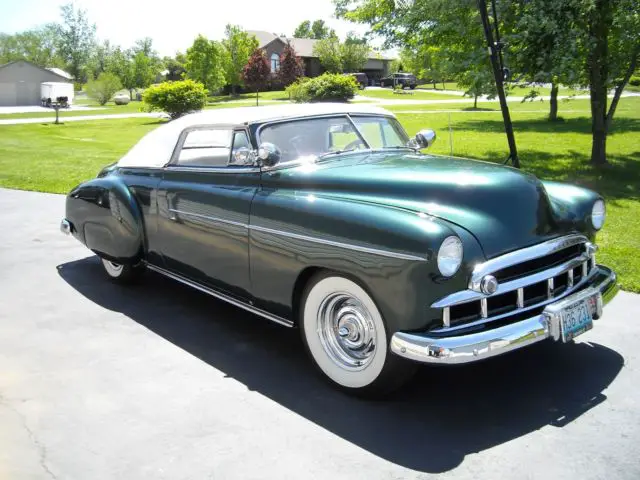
(575, 320)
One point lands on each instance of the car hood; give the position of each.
(504, 208)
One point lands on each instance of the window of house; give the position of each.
(207, 147)
(275, 62)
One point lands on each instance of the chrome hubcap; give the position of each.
(346, 330)
(112, 268)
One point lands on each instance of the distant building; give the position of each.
(20, 82)
(376, 67)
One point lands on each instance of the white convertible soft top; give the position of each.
(156, 147)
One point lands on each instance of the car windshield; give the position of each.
(316, 137)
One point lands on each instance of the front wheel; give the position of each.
(347, 339)
(122, 273)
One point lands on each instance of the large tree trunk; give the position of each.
(597, 63)
(434, 85)
(233, 90)
(131, 94)
(475, 102)
(553, 102)
(621, 85)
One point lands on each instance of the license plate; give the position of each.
(575, 320)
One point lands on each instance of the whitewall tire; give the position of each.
(121, 273)
(347, 338)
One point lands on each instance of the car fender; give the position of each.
(107, 219)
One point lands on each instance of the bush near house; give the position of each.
(175, 98)
(329, 87)
(103, 88)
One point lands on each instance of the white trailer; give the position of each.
(51, 91)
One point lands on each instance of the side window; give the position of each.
(241, 150)
(207, 147)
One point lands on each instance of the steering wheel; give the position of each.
(353, 145)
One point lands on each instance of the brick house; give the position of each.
(377, 65)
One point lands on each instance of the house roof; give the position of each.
(55, 71)
(60, 72)
(302, 46)
(154, 150)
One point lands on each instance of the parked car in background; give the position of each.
(403, 80)
(361, 78)
(329, 219)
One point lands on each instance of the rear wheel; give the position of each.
(347, 338)
(122, 273)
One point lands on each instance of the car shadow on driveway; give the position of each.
(444, 414)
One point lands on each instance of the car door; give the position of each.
(204, 200)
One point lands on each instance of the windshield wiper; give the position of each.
(336, 152)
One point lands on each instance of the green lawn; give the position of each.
(52, 158)
(417, 94)
(108, 109)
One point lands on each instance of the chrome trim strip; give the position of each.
(585, 269)
(221, 296)
(206, 217)
(513, 312)
(357, 248)
(230, 169)
(484, 308)
(465, 296)
(520, 299)
(446, 317)
(489, 343)
(550, 287)
(570, 278)
(523, 255)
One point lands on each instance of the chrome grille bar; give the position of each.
(484, 308)
(550, 288)
(570, 278)
(446, 316)
(520, 300)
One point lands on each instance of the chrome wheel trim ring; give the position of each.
(112, 268)
(347, 332)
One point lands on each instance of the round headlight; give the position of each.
(450, 256)
(597, 214)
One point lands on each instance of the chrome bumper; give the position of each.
(65, 226)
(489, 343)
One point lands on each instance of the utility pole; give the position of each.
(495, 56)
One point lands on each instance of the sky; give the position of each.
(174, 26)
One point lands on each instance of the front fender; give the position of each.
(572, 206)
(107, 219)
(294, 231)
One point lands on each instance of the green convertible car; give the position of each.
(328, 218)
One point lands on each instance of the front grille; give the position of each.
(524, 287)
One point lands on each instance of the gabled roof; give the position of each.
(302, 46)
(54, 71)
(60, 72)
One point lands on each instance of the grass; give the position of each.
(96, 109)
(50, 158)
(417, 94)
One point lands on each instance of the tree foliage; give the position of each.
(291, 66)
(316, 30)
(257, 72)
(205, 63)
(39, 46)
(238, 46)
(354, 53)
(176, 98)
(76, 39)
(103, 88)
(329, 53)
(175, 66)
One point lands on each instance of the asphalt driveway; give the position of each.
(158, 381)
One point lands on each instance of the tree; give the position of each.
(257, 72)
(425, 62)
(38, 46)
(175, 66)
(100, 59)
(205, 63)
(318, 30)
(291, 66)
(303, 30)
(144, 70)
(176, 98)
(121, 65)
(354, 53)
(238, 46)
(329, 53)
(103, 88)
(76, 39)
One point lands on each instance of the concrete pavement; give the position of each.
(99, 381)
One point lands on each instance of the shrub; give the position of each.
(329, 87)
(103, 88)
(298, 91)
(175, 98)
(634, 81)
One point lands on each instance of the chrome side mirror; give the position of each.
(425, 138)
(243, 156)
(269, 154)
